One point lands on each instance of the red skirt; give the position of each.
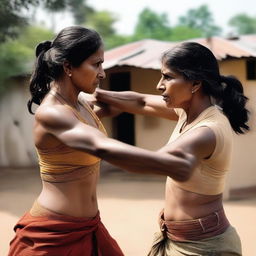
(60, 235)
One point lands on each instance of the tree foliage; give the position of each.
(152, 25)
(180, 33)
(243, 24)
(11, 18)
(33, 35)
(200, 18)
(16, 55)
(79, 9)
(102, 22)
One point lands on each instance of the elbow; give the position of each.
(185, 169)
(184, 174)
(101, 148)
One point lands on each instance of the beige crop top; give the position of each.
(209, 177)
(64, 164)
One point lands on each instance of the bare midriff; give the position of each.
(185, 205)
(74, 198)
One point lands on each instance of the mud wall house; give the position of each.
(16, 140)
(136, 66)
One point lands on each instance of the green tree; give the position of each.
(16, 56)
(11, 18)
(201, 19)
(79, 9)
(33, 35)
(152, 25)
(243, 23)
(102, 22)
(180, 33)
(117, 40)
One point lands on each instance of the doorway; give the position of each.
(122, 125)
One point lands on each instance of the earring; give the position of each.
(192, 91)
(69, 74)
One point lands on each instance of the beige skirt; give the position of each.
(225, 244)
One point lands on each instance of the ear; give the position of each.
(196, 86)
(67, 68)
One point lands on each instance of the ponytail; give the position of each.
(233, 103)
(40, 80)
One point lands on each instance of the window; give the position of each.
(251, 69)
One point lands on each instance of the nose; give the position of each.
(102, 74)
(160, 86)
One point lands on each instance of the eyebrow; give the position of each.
(99, 59)
(167, 73)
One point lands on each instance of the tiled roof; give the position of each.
(146, 53)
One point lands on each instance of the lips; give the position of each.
(165, 98)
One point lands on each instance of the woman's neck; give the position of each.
(197, 106)
(67, 92)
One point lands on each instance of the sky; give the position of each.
(128, 11)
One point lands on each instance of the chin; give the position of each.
(90, 90)
(169, 105)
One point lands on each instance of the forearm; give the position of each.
(138, 160)
(126, 101)
(136, 103)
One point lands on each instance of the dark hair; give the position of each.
(73, 44)
(196, 62)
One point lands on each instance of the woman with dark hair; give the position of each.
(64, 220)
(207, 106)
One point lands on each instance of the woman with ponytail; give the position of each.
(65, 220)
(207, 106)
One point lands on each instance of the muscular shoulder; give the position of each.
(55, 117)
(200, 142)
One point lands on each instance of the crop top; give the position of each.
(62, 163)
(209, 176)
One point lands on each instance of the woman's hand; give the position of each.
(100, 108)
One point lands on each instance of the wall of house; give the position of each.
(244, 160)
(16, 141)
(157, 129)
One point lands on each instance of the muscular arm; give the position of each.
(136, 103)
(61, 123)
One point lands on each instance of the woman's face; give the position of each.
(88, 75)
(176, 91)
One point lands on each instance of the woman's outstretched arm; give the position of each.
(61, 123)
(136, 103)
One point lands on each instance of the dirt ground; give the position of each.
(129, 206)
